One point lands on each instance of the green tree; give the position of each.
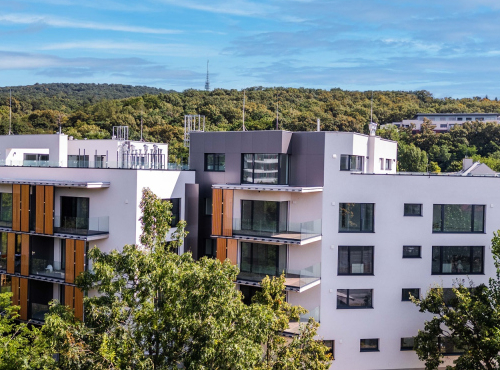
(411, 159)
(470, 321)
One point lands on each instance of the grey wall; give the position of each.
(192, 217)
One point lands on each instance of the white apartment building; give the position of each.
(445, 121)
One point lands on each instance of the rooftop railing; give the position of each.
(81, 225)
(174, 166)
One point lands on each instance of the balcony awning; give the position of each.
(265, 187)
(58, 183)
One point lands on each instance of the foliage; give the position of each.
(411, 159)
(470, 321)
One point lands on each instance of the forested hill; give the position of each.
(91, 110)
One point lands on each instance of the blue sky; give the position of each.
(450, 48)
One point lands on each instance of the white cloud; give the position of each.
(231, 7)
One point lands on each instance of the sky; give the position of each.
(448, 47)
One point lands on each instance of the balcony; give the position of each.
(38, 311)
(295, 280)
(46, 268)
(295, 326)
(294, 233)
(92, 226)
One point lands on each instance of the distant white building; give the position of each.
(445, 121)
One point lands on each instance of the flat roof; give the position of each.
(59, 183)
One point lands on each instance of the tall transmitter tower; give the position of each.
(207, 82)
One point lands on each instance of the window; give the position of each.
(457, 260)
(5, 283)
(263, 216)
(74, 213)
(356, 217)
(211, 248)
(215, 162)
(3, 251)
(443, 125)
(354, 298)
(388, 164)
(442, 118)
(355, 260)
(248, 293)
(351, 162)
(17, 254)
(271, 169)
(458, 218)
(381, 163)
(447, 347)
(176, 210)
(407, 344)
(368, 345)
(6, 209)
(412, 251)
(468, 119)
(208, 206)
(411, 209)
(331, 347)
(260, 260)
(81, 161)
(407, 292)
(99, 161)
(459, 119)
(35, 159)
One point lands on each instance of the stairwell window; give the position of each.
(356, 217)
(351, 162)
(458, 218)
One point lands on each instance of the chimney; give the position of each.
(467, 163)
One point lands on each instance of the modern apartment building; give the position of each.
(59, 197)
(353, 237)
(445, 121)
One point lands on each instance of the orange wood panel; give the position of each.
(216, 212)
(79, 257)
(221, 249)
(15, 291)
(40, 200)
(78, 304)
(49, 210)
(23, 298)
(70, 261)
(232, 251)
(25, 254)
(68, 296)
(11, 252)
(227, 213)
(16, 207)
(25, 208)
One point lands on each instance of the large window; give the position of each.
(211, 248)
(78, 161)
(457, 260)
(356, 217)
(354, 298)
(458, 218)
(176, 210)
(351, 162)
(260, 260)
(215, 162)
(355, 260)
(411, 209)
(75, 213)
(271, 169)
(368, 345)
(263, 216)
(35, 159)
(6, 209)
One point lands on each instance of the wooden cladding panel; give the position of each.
(23, 298)
(227, 214)
(78, 304)
(40, 205)
(217, 212)
(221, 249)
(68, 296)
(25, 208)
(49, 210)
(79, 257)
(25, 254)
(70, 261)
(16, 207)
(232, 250)
(15, 291)
(11, 252)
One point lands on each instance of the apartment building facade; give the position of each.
(353, 237)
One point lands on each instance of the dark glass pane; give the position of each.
(344, 162)
(246, 257)
(411, 251)
(477, 259)
(208, 206)
(367, 217)
(437, 221)
(246, 215)
(209, 162)
(265, 216)
(360, 298)
(247, 176)
(221, 162)
(265, 169)
(283, 212)
(265, 259)
(407, 293)
(457, 218)
(6, 207)
(413, 210)
(407, 344)
(283, 165)
(369, 345)
(478, 219)
(349, 217)
(343, 260)
(353, 161)
(342, 299)
(436, 262)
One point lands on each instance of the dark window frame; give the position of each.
(407, 214)
(349, 260)
(176, 210)
(81, 161)
(208, 206)
(471, 254)
(330, 343)
(213, 248)
(412, 246)
(361, 349)
(279, 216)
(349, 163)
(280, 169)
(216, 160)
(342, 206)
(9, 214)
(405, 294)
(253, 253)
(406, 347)
(348, 307)
(442, 231)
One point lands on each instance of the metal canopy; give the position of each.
(59, 183)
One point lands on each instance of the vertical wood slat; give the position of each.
(25, 254)
(49, 210)
(79, 257)
(68, 296)
(11, 253)
(78, 304)
(23, 298)
(16, 207)
(40, 201)
(25, 208)
(70, 261)
(15, 291)
(227, 214)
(217, 212)
(232, 251)
(221, 249)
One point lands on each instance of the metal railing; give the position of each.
(174, 166)
(294, 230)
(293, 278)
(81, 225)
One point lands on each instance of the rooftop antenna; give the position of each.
(277, 109)
(371, 109)
(244, 129)
(10, 112)
(141, 126)
(207, 82)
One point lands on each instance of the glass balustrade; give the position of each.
(47, 268)
(81, 225)
(296, 231)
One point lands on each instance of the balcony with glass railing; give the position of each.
(297, 280)
(47, 268)
(291, 233)
(38, 311)
(295, 327)
(81, 225)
